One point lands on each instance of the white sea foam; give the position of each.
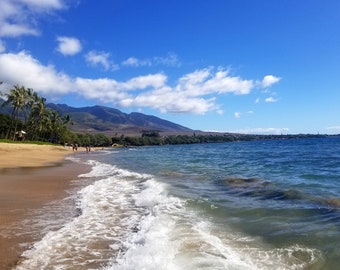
(128, 221)
(151, 246)
(106, 216)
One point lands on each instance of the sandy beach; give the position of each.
(14, 155)
(30, 176)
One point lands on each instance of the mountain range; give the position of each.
(110, 121)
(101, 119)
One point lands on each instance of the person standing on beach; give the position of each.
(74, 147)
(88, 148)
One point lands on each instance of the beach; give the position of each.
(236, 205)
(30, 177)
(14, 155)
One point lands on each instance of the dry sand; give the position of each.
(30, 155)
(30, 177)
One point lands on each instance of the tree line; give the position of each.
(154, 138)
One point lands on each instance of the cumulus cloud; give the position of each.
(18, 17)
(195, 92)
(102, 59)
(206, 81)
(165, 99)
(68, 45)
(269, 80)
(22, 68)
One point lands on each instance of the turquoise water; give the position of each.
(240, 205)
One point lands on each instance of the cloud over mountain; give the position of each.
(195, 92)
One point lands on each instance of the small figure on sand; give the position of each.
(75, 147)
(88, 149)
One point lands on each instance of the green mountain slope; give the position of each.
(108, 120)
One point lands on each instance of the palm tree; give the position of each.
(18, 98)
(56, 125)
(40, 119)
(59, 126)
(31, 98)
(41, 122)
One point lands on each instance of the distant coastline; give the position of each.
(159, 138)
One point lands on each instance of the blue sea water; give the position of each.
(240, 205)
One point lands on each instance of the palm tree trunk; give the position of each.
(11, 124)
(16, 124)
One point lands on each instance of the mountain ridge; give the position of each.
(102, 119)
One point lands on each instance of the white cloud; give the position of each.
(135, 62)
(170, 60)
(237, 115)
(206, 81)
(131, 61)
(15, 30)
(195, 92)
(334, 129)
(269, 80)
(219, 112)
(43, 5)
(100, 58)
(19, 17)
(166, 100)
(24, 69)
(68, 45)
(154, 81)
(274, 131)
(103, 89)
(270, 100)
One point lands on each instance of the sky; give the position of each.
(249, 66)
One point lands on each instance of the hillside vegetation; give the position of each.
(109, 121)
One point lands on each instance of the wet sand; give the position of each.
(26, 188)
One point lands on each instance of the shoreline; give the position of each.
(28, 186)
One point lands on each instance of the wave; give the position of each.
(105, 219)
(128, 220)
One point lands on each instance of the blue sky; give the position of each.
(247, 66)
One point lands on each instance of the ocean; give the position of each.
(239, 205)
